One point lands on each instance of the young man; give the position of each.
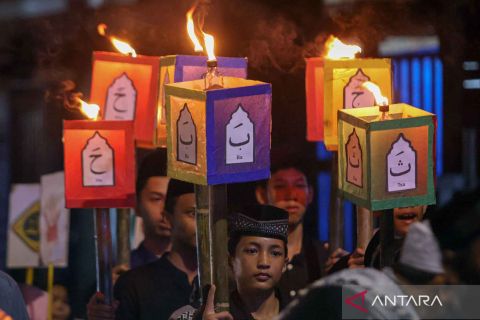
(151, 189)
(155, 290)
(257, 249)
(289, 189)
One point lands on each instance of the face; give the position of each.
(151, 207)
(60, 307)
(183, 221)
(258, 263)
(288, 189)
(404, 217)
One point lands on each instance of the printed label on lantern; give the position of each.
(356, 96)
(121, 99)
(186, 137)
(353, 150)
(166, 80)
(240, 138)
(401, 165)
(97, 162)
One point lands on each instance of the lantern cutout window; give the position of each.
(180, 68)
(219, 136)
(387, 164)
(332, 85)
(99, 164)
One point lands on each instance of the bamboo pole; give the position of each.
(386, 238)
(364, 227)
(103, 250)
(212, 241)
(123, 236)
(336, 208)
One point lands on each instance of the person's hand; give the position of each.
(209, 313)
(334, 257)
(356, 259)
(4, 315)
(97, 309)
(118, 270)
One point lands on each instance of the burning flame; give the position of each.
(377, 93)
(336, 49)
(191, 31)
(121, 46)
(209, 45)
(89, 110)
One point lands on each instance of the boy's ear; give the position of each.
(261, 195)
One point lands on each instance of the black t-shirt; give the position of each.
(152, 291)
(303, 269)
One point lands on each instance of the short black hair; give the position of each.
(153, 165)
(176, 188)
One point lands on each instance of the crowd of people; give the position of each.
(277, 270)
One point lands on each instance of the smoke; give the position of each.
(63, 93)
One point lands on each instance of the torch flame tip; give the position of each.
(336, 49)
(377, 93)
(90, 110)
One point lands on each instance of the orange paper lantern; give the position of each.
(99, 164)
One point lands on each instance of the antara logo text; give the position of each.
(394, 300)
(405, 300)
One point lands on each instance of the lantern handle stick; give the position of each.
(103, 253)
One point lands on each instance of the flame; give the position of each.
(89, 110)
(377, 93)
(121, 46)
(336, 49)
(209, 45)
(191, 31)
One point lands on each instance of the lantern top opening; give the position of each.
(228, 83)
(396, 111)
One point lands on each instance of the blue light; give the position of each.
(322, 152)
(348, 226)
(323, 196)
(404, 81)
(416, 83)
(427, 73)
(438, 94)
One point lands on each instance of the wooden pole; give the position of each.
(103, 250)
(364, 227)
(212, 238)
(123, 236)
(386, 238)
(336, 208)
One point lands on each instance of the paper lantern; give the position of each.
(332, 85)
(126, 88)
(219, 136)
(387, 164)
(99, 164)
(180, 68)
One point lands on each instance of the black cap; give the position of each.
(260, 220)
(175, 189)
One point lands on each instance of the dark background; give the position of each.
(40, 47)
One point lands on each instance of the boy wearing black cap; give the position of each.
(257, 250)
(155, 290)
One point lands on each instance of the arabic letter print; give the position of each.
(354, 158)
(356, 96)
(240, 138)
(186, 137)
(98, 162)
(121, 99)
(401, 165)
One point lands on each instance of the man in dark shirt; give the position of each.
(155, 290)
(288, 188)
